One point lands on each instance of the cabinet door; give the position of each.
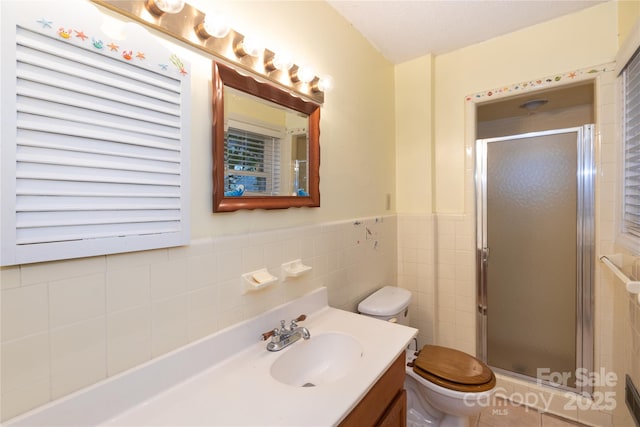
(376, 403)
(396, 413)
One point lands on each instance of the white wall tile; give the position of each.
(77, 299)
(137, 259)
(128, 338)
(197, 247)
(253, 258)
(28, 396)
(50, 271)
(446, 271)
(78, 356)
(273, 256)
(202, 312)
(168, 324)
(127, 288)
(168, 279)
(307, 248)
(228, 317)
(230, 264)
(25, 362)
(201, 271)
(290, 249)
(230, 294)
(9, 277)
(25, 311)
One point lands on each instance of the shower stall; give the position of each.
(535, 254)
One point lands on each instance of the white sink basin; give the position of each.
(322, 359)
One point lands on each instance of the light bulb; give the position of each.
(248, 46)
(252, 46)
(282, 61)
(159, 7)
(325, 83)
(216, 25)
(306, 74)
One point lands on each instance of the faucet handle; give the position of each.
(267, 335)
(275, 332)
(294, 322)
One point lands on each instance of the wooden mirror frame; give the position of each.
(225, 76)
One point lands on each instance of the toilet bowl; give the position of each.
(445, 387)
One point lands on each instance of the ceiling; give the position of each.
(403, 30)
(557, 99)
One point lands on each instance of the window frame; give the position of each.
(628, 53)
(272, 140)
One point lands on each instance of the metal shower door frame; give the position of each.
(585, 250)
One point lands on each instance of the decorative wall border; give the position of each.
(546, 82)
(55, 24)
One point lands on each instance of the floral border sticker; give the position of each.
(539, 83)
(126, 53)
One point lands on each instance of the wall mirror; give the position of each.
(266, 145)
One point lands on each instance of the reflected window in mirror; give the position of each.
(251, 163)
(265, 145)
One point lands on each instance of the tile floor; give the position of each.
(507, 414)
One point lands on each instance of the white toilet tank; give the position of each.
(389, 303)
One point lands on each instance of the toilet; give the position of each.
(445, 387)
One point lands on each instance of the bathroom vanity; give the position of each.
(350, 372)
(386, 403)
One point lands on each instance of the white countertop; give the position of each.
(202, 385)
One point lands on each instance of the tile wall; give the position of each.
(437, 264)
(417, 272)
(455, 241)
(609, 349)
(69, 324)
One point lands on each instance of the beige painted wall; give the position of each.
(414, 135)
(628, 16)
(568, 43)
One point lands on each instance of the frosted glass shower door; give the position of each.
(532, 253)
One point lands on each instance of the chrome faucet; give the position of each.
(283, 337)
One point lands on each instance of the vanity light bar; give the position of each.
(189, 26)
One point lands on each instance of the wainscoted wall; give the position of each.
(437, 264)
(69, 324)
(417, 272)
(455, 241)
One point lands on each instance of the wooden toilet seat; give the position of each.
(453, 369)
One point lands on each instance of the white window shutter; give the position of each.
(95, 137)
(631, 83)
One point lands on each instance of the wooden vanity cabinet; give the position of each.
(386, 403)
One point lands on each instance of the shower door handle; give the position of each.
(482, 299)
(485, 254)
